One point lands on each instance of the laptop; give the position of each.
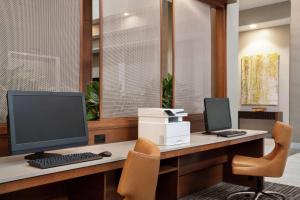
(218, 118)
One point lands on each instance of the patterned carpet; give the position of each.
(222, 190)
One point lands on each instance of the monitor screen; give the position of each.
(217, 114)
(40, 121)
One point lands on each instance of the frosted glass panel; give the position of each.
(192, 54)
(131, 56)
(39, 46)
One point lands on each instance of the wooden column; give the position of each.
(86, 55)
(219, 52)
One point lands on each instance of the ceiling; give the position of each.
(248, 4)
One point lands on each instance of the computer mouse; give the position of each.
(105, 154)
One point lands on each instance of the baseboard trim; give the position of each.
(295, 145)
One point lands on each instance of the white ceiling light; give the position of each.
(252, 26)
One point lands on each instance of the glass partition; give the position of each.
(192, 60)
(39, 47)
(131, 56)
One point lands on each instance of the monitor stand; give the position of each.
(39, 155)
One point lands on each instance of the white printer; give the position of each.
(163, 126)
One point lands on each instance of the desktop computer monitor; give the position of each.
(41, 121)
(217, 114)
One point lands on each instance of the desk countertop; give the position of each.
(14, 168)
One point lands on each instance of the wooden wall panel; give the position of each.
(197, 122)
(86, 55)
(114, 131)
(219, 55)
(115, 134)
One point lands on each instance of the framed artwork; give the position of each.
(260, 75)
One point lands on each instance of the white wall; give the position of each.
(269, 40)
(232, 62)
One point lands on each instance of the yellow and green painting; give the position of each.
(260, 79)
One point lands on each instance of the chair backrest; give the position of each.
(140, 172)
(282, 134)
(146, 147)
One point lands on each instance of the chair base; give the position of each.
(257, 195)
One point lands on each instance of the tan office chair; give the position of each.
(271, 165)
(140, 172)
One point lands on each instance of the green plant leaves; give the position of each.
(167, 91)
(92, 101)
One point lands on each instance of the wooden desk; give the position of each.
(184, 169)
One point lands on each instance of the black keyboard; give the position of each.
(230, 133)
(56, 161)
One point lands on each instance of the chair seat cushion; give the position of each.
(245, 161)
(243, 165)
